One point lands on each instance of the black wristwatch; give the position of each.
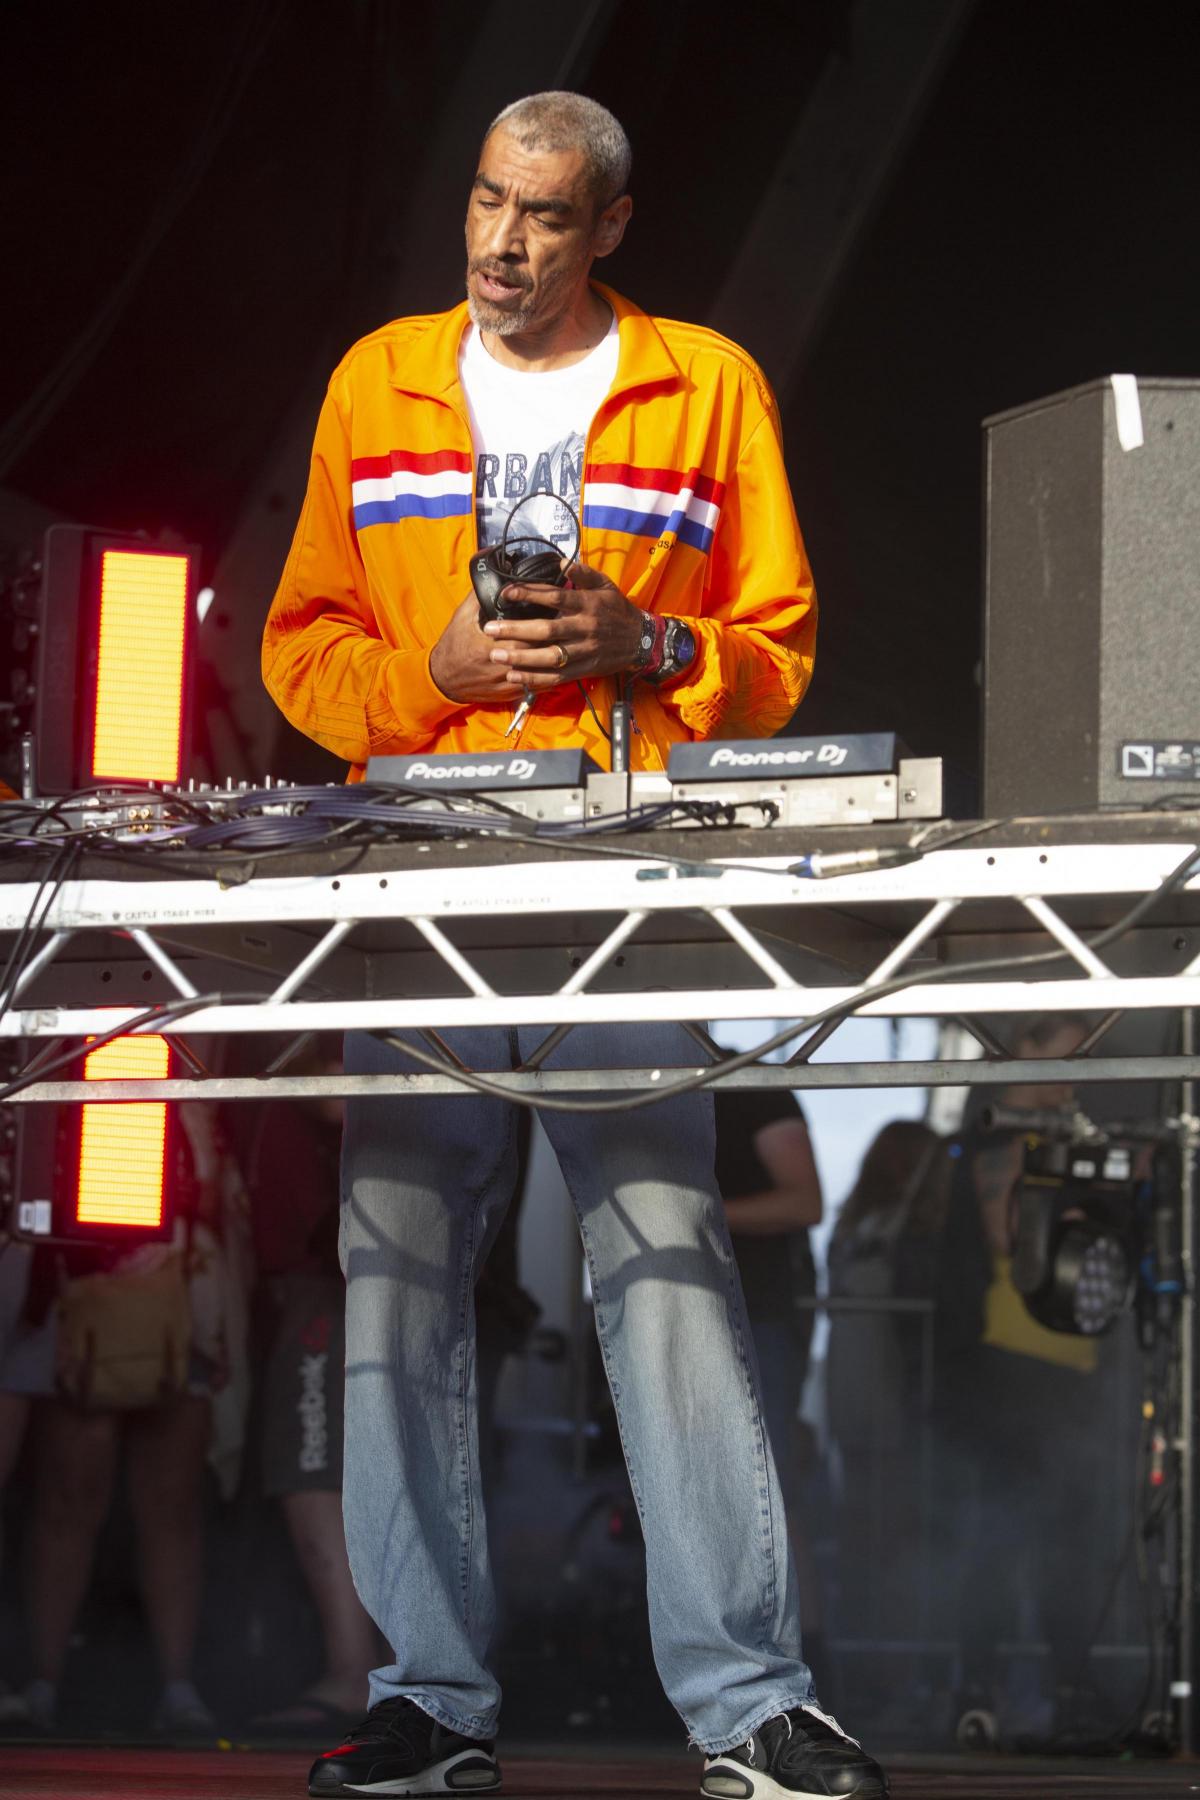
(645, 649)
(679, 650)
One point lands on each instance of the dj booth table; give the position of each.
(1094, 914)
(694, 926)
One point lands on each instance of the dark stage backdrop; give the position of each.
(205, 205)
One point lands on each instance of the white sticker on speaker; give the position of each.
(1158, 759)
(1130, 435)
(1137, 759)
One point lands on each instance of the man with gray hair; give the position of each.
(652, 453)
(558, 121)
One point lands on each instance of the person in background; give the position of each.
(292, 1175)
(896, 1210)
(144, 1341)
(767, 1177)
(17, 1338)
(1017, 1437)
(884, 1247)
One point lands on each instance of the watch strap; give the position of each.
(678, 652)
(650, 646)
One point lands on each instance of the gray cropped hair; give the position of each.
(559, 120)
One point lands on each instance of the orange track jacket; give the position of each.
(685, 505)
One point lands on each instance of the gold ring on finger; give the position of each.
(563, 658)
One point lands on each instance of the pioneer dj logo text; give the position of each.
(517, 768)
(831, 754)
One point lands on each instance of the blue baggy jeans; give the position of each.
(425, 1180)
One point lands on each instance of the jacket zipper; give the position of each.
(465, 422)
(615, 685)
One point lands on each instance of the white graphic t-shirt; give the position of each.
(529, 429)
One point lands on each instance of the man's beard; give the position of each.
(487, 316)
(505, 323)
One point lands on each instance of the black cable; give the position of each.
(536, 537)
(1145, 1524)
(842, 1010)
(941, 834)
(215, 866)
(22, 948)
(189, 865)
(212, 866)
(600, 725)
(839, 1010)
(1148, 1523)
(264, 834)
(15, 959)
(381, 805)
(410, 815)
(149, 1021)
(33, 836)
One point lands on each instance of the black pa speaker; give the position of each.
(1092, 599)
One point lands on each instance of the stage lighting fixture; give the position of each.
(123, 1144)
(114, 679)
(100, 1173)
(1077, 1224)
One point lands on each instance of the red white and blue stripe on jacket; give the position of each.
(407, 484)
(652, 502)
(622, 497)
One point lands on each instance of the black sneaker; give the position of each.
(398, 1749)
(801, 1752)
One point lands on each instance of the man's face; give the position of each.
(532, 233)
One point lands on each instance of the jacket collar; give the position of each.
(430, 364)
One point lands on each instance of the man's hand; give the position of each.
(461, 661)
(595, 628)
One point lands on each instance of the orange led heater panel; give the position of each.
(140, 672)
(122, 1146)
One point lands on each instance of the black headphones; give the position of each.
(492, 570)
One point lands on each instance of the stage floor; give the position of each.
(142, 1774)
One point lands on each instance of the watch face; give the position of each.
(681, 645)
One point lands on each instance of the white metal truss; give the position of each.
(417, 947)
